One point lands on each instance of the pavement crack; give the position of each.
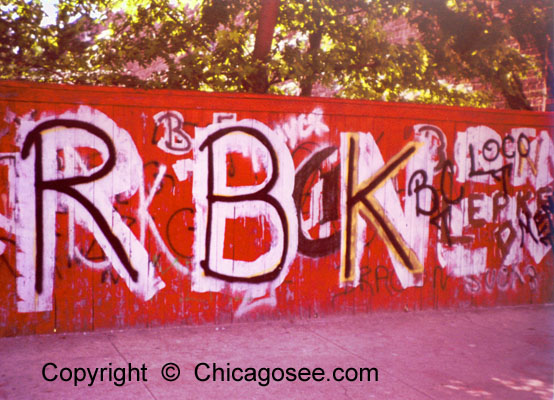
(127, 361)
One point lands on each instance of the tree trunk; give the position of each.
(258, 82)
(307, 83)
(266, 28)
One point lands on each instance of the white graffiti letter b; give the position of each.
(219, 202)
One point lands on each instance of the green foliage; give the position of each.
(336, 47)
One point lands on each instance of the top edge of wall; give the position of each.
(24, 91)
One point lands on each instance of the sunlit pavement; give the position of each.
(494, 353)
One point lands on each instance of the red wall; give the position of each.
(143, 208)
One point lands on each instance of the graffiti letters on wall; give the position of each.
(240, 205)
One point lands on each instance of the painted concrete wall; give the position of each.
(142, 208)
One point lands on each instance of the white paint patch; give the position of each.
(183, 169)
(6, 221)
(25, 229)
(524, 168)
(409, 226)
(531, 158)
(175, 140)
(543, 157)
(123, 180)
(460, 261)
(247, 145)
(249, 303)
(251, 149)
(426, 159)
(302, 127)
(473, 141)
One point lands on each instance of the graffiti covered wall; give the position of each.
(133, 208)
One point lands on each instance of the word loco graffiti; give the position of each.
(255, 203)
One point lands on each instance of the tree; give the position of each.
(340, 47)
(532, 26)
(61, 52)
(474, 40)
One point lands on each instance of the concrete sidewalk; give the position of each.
(495, 353)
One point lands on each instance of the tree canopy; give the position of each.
(456, 52)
